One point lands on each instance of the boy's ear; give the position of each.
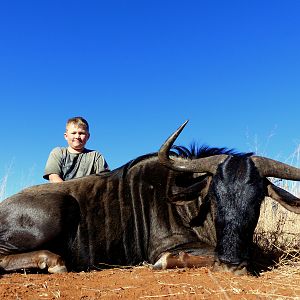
(65, 136)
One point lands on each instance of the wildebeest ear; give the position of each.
(283, 197)
(183, 195)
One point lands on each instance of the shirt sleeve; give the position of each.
(54, 163)
(101, 164)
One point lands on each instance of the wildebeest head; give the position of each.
(235, 185)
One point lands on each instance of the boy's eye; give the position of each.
(79, 133)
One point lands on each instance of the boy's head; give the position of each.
(77, 134)
(78, 122)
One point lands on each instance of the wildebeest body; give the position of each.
(114, 218)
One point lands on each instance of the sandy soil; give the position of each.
(144, 283)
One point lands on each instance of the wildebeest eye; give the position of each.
(201, 217)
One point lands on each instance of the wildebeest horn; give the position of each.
(286, 199)
(272, 168)
(199, 165)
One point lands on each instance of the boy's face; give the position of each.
(76, 137)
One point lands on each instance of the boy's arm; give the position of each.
(53, 166)
(54, 178)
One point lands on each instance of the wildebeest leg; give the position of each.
(37, 259)
(183, 260)
(32, 224)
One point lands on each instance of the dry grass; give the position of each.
(277, 227)
(278, 231)
(3, 184)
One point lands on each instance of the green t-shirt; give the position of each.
(73, 165)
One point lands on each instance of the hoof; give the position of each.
(42, 265)
(162, 263)
(57, 269)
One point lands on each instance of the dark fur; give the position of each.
(238, 191)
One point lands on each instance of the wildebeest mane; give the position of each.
(195, 151)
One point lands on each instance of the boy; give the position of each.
(74, 161)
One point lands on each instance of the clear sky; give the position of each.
(138, 69)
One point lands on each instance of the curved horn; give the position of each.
(272, 168)
(199, 165)
(286, 199)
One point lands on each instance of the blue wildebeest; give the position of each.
(140, 212)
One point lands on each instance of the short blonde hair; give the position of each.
(79, 121)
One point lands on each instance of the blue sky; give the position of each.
(136, 70)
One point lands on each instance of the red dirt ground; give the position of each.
(144, 283)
